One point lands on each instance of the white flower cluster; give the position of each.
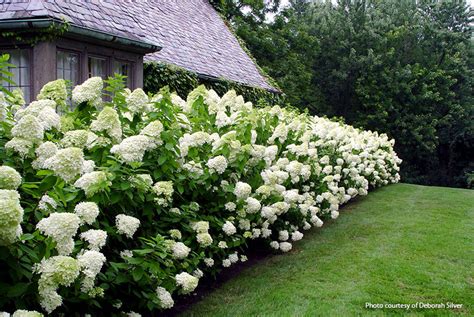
(66, 163)
(180, 250)
(165, 298)
(91, 263)
(11, 215)
(217, 164)
(61, 227)
(229, 228)
(202, 229)
(56, 271)
(108, 121)
(87, 212)
(95, 237)
(90, 91)
(187, 282)
(164, 192)
(242, 190)
(137, 101)
(266, 173)
(92, 182)
(132, 149)
(9, 178)
(127, 225)
(47, 204)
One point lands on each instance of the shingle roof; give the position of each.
(191, 33)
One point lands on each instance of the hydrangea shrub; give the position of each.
(124, 204)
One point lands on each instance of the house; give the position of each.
(75, 40)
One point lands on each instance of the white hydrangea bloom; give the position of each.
(242, 190)
(108, 121)
(175, 234)
(66, 163)
(87, 212)
(56, 271)
(234, 257)
(23, 313)
(275, 245)
(21, 146)
(88, 166)
(283, 235)
(92, 182)
(226, 263)
(96, 238)
(90, 91)
(44, 152)
(9, 178)
(204, 239)
(217, 164)
(180, 250)
(285, 246)
(75, 138)
(230, 206)
(253, 205)
(28, 128)
(126, 225)
(126, 254)
(164, 190)
(222, 244)
(209, 262)
(47, 203)
(137, 101)
(200, 226)
(49, 119)
(91, 263)
(166, 301)
(153, 132)
(296, 236)
(229, 228)
(61, 227)
(132, 149)
(187, 282)
(11, 215)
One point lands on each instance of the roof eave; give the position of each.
(76, 31)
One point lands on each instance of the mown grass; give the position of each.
(400, 244)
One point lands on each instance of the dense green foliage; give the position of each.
(125, 204)
(182, 82)
(402, 67)
(373, 254)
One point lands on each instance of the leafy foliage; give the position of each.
(402, 67)
(181, 81)
(127, 202)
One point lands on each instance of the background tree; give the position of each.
(401, 67)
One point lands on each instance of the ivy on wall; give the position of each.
(157, 75)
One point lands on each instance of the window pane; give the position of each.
(124, 68)
(67, 66)
(97, 67)
(21, 71)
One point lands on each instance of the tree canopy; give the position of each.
(400, 67)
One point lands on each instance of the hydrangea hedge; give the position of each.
(124, 204)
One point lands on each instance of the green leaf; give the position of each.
(17, 290)
(137, 274)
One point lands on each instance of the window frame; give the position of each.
(29, 50)
(79, 62)
(130, 77)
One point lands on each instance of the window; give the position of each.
(67, 66)
(124, 68)
(21, 72)
(97, 67)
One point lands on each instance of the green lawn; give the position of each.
(400, 244)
